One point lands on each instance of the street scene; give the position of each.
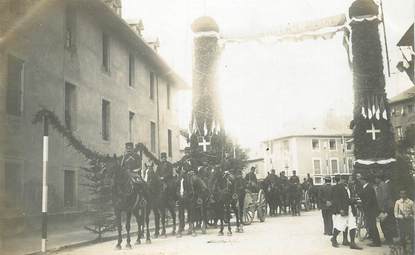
(207, 127)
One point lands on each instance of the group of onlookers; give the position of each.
(355, 195)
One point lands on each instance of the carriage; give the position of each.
(254, 202)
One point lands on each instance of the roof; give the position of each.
(408, 38)
(107, 16)
(254, 160)
(405, 95)
(311, 134)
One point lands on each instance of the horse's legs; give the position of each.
(157, 221)
(163, 221)
(140, 222)
(203, 218)
(181, 218)
(119, 227)
(221, 215)
(172, 210)
(228, 216)
(127, 227)
(147, 219)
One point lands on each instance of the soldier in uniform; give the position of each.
(131, 162)
(294, 179)
(251, 180)
(165, 171)
(324, 203)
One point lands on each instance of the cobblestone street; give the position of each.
(280, 235)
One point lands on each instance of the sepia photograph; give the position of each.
(207, 127)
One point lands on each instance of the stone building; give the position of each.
(315, 153)
(403, 112)
(82, 61)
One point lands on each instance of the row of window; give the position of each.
(401, 110)
(70, 44)
(332, 144)
(332, 166)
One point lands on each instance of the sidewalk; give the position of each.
(65, 235)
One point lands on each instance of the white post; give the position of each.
(45, 184)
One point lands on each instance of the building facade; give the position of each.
(316, 154)
(82, 61)
(403, 112)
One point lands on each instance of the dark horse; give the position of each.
(295, 191)
(128, 195)
(193, 195)
(227, 196)
(162, 196)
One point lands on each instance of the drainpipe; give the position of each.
(158, 116)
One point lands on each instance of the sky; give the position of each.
(267, 88)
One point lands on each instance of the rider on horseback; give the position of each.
(131, 162)
(165, 170)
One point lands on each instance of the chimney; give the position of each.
(115, 5)
(137, 26)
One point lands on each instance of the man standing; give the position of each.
(344, 214)
(131, 162)
(370, 210)
(294, 178)
(251, 180)
(404, 212)
(324, 203)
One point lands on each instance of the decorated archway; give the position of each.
(372, 131)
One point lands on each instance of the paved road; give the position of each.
(281, 235)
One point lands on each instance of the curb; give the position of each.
(86, 243)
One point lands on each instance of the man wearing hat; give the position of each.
(165, 168)
(294, 178)
(131, 162)
(324, 203)
(344, 213)
(251, 180)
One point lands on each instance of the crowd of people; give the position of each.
(372, 200)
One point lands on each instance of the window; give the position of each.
(69, 188)
(334, 163)
(70, 106)
(349, 146)
(105, 120)
(13, 184)
(131, 116)
(153, 136)
(70, 27)
(316, 144)
(131, 70)
(317, 166)
(399, 133)
(105, 53)
(350, 165)
(168, 95)
(332, 144)
(152, 80)
(410, 108)
(14, 92)
(170, 144)
(15, 6)
(317, 180)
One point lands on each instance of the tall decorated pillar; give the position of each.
(372, 131)
(206, 123)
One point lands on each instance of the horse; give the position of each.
(128, 196)
(162, 196)
(226, 198)
(271, 195)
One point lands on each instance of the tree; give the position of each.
(100, 189)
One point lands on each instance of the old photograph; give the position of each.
(207, 127)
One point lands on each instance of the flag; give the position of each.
(369, 113)
(205, 130)
(384, 115)
(195, 128)
(363, 112)
(213, 127)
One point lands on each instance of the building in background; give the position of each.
(316, 153)
(403, 112)
(82, 61)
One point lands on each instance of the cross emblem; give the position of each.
(373, 131)
(204, 144)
